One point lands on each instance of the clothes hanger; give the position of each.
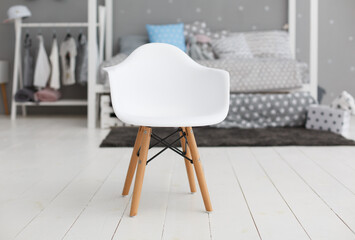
(80, 34)
(68, 34)
(54, 34)
(28, 40)
(27, 35)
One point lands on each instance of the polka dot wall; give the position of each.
(337, 34)
(336, 44)
(234, 15)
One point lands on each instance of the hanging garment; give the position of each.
(28, 62)
(47, 95)
(54, 81)
(81, 71)
(43, 67)
(67, 54)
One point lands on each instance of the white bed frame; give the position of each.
(94, 89)
(312, 87)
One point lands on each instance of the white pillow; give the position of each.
(233, 46)
(269, 44)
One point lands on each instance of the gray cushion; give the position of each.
(129, 43)
(269, 44)
(234, 46)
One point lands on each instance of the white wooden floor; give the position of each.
(55, 183)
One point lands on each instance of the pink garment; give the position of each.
(47, 95)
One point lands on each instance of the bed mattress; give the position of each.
(267, 110)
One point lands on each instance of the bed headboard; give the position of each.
(237, 15)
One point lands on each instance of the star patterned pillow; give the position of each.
(171, 33)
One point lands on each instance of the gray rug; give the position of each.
(215, 137)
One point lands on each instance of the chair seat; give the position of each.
(174, 120)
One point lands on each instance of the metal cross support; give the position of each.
(169, 145)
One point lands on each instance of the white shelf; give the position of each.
(56, 24)
(63, 102)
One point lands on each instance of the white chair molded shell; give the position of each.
(159, 85)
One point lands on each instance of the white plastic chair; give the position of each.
(158, 85)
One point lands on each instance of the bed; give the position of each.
(267, 83)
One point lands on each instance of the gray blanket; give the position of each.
(261, 75)
(247, 75)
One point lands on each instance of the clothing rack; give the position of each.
(92, 25)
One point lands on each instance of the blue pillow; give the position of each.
(172, 34)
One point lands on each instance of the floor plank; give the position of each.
(186, 217)
(57, 218)
(231, 216)
(32, 163)
(333, 165)
(345, 155)
(319, 221)
(29, 184)
(149, 222)
(334, 194)
(100, 218)
(273, 218)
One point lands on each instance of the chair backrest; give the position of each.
(157, 77)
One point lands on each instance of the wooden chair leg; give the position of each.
(188, 165)
(142, 161)
(198, 168)
(133, 163)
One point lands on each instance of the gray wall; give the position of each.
(336, 44)
(337, 47)
(235, 15)
(337, 34)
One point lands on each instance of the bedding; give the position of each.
(234, 46)
(200, 27)
(269, 44)
(171, 33)
(218, 34)
(199, 47)
(247, 75)
(130, 42)
(267, 110)
(195, 28)
(102, 75)
(261, 75)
